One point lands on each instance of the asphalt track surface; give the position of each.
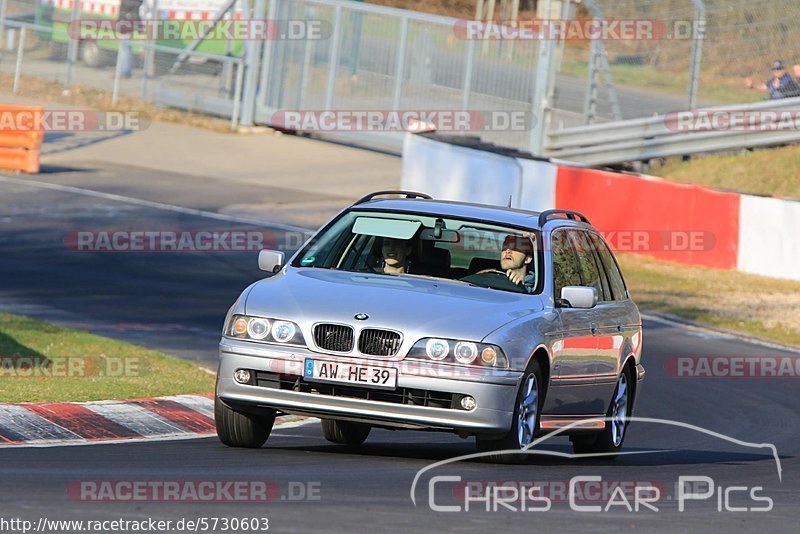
(176, 302)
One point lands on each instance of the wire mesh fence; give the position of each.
(46, 41)
(700, 53)
(385, 60)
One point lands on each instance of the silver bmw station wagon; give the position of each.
(413, 313)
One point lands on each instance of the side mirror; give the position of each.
(270, 260)
(579, 296)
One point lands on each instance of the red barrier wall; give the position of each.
(682, 223)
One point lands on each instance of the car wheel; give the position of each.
(527, 411)
(236, 429)
(94, 56)
(609, 441)
(345, 432)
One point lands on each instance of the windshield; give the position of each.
(403, 244)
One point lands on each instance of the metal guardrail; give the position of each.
(654, 137)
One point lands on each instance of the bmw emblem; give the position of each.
(361, 317)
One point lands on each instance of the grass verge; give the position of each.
(771, 171)
(42, 362)
(767, 308)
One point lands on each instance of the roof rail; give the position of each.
(573, 215)
(408, 194)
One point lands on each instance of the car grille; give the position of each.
(408, 396)
(334, 337)
(378, 342)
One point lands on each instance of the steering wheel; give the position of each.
(494, 279)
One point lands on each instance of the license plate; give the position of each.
(350, 373)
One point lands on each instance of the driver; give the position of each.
(515, 256)
(396, 254)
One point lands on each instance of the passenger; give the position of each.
(396, 254)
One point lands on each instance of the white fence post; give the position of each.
(468, 74)
(400, 65)
(333, 61)
(72, 47)
(252, 59)
(541, 92)
(699, 27)
(20, 52)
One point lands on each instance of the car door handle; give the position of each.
(619, 326)
(594, 328)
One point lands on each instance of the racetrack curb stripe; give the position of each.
(18, 424)
(179, 414)
(74, 423)
(141, 420)
(82, 421)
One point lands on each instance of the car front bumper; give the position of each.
(493, 390)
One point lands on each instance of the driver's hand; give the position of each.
(515, 277)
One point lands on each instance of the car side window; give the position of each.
(565, 262)
(615, 279)
(587, 240)
(590, 274)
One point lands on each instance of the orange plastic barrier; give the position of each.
(19, 160)
(21, 137)
(675, 222)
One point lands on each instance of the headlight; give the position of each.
(283, 331)
(465, 352)
(437, 349)
(460, 352)
(258, 328)
(264, 329)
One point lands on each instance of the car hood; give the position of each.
(417, 307)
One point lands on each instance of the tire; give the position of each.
(236, 429)
(525, 423)
(609, 441)
(95, 56)
(345, 432)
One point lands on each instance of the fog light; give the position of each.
(243, 376)
(468, 403)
